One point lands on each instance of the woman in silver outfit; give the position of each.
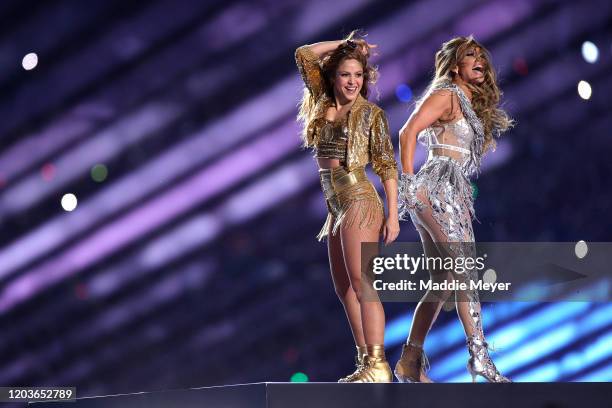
(457, 120)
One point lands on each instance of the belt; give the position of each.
(331, 187)
(350, 178)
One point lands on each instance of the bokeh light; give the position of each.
(590, 52)
(581, 249)
(69, 202)
(490, 276)
(403, 93)
(99, 172)
(299, 377)
(520, 66)
(584, 90)
(47, 171)
(29, 61)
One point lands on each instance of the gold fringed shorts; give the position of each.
(350, 198)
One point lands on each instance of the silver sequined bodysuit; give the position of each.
(438, 200)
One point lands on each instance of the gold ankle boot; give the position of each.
(413, 365)
(359, 361)
(375, 367)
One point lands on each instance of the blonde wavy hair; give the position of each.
(485, 96)
(329, 66)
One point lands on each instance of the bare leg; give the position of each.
(413, 364)
(467, 302)
(426, 312)
(343, 288)
(460, 244)
(375, 367)
(431, 234)
(372, 313)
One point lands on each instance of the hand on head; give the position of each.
(364, 46)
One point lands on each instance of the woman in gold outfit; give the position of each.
(346, 131)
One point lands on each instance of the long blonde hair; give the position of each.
(329, 66)
(485, 96)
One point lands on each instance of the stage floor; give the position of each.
(323, 395)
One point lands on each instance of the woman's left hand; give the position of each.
(391, 229)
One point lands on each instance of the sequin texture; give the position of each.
(439, 196)
(439, 199)
(333, 140)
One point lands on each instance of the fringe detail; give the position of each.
(472, 166)
(440, 173)
(406, 196)
(444, 183)
(359, 203)
(366, 212)
(323, 233)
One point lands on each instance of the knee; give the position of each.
(344, 293)
(445, 295)
(357, 289)
(441, 297)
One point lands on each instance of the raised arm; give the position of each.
(434, 107)
(307, 58)
(321, 49)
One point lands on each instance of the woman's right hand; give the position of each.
(406, 198)
(364, 46)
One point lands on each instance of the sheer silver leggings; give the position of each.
(441, 210)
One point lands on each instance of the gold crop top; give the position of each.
(333, 139)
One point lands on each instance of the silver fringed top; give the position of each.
(442, 183)
(465, 136)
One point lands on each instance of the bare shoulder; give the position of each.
(441, 98)
(443, 101)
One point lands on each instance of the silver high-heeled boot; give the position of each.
(480, 363)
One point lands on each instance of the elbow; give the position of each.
(404, 136)
(301, 51)
(407, 134)
(388, 173)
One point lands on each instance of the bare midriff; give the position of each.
(458, 156)
(326, 163)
